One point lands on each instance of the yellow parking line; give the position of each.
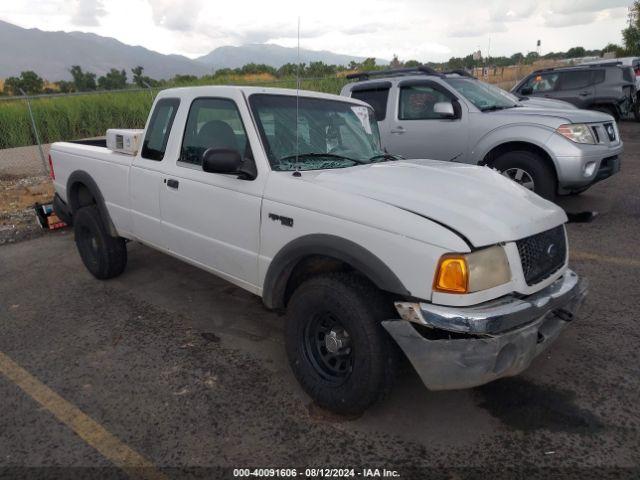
(84, 426)
(624, 262)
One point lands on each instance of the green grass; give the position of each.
(82, 116)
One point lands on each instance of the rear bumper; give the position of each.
(62, 210)
(457, 347)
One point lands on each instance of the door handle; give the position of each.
(398, 130)
(583, 94)
(172, 183)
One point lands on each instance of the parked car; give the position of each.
(629, 62)
(465, 270)
(605, 87)
(549, 149)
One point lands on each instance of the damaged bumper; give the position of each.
(462, 347)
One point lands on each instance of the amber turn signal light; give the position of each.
(452, 275)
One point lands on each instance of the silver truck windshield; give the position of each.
(484, 96)
(330, 134)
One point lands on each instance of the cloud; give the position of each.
(178, 15)
(578, 7)
(560, 20)
(477, 29)
(509, 11)
(87, 13)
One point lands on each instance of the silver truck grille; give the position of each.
(611, 131)
(542, 254)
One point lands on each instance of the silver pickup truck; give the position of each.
(540, 144)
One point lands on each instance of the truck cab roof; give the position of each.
(230, 90)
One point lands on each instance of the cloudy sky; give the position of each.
(418, 29)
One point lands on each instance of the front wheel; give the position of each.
(529, 170)
(337, 347)
(636, 109)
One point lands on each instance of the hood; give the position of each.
(538, 102)
(567, 115)
(476, 202)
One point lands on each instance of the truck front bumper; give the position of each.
(462, 347)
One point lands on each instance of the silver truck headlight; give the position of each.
(472, 272)
(577, 132)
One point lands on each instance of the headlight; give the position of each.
(472, 272)
(577, 132)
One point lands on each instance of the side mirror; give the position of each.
(526, 91)
(445, 109)
(221, 160)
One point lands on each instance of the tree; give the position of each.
(395, 63)
(576, 52)
(141, 80)
(412, 63)
(631, 34)
(83, 81)
(65, 87)
(184, 79)
(531, 57)
(516, 58)
(114, 80)
(616, 49)
(29, 81)
(320, 69)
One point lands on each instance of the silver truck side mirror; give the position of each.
(445, 109)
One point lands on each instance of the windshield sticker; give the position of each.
(363, 115)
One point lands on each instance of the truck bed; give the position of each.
(109, 170)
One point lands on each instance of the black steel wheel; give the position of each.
(327, 346)
(337, 347)
(103, 255)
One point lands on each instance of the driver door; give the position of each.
(213, 219)
(416, 130)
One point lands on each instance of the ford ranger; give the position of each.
(290, 196)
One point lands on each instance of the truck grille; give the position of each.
(611, 131)
(542, 254)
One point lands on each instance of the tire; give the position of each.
(636, 108)
(365, 367)
(103, 255)
(524, 163)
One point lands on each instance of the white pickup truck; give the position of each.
(291, 198)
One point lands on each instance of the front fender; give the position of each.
(531, 133)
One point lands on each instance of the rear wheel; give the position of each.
(529, 170)
(103, 255)
(337, 347)
(636, 108)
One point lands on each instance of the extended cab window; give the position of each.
(417, 102)
(212, 123)
(157, 136)
(376, 97)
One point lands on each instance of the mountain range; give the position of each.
(51, 55)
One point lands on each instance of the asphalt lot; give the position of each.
(189, 372)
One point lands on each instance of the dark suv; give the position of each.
(607, 88)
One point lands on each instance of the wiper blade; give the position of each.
(316, 155)
(384, 157)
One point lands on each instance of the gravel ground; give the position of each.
(190, 372)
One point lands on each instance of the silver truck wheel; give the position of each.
(529, 170)
(520, 176)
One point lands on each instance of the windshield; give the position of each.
(330, 133)
(484, 96)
